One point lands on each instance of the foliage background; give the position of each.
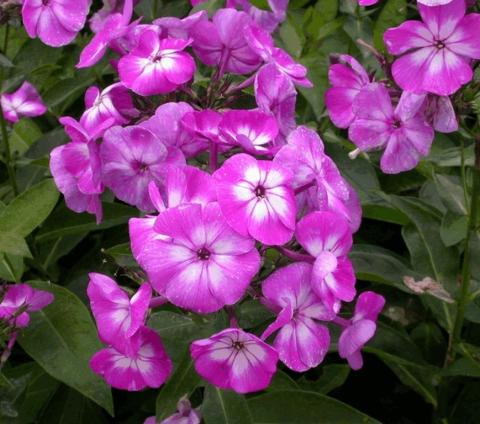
(415, 224)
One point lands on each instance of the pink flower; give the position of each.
(257, 199)
(118, 317)
(131, 158)
(437, 52)
(114, 103)
(221, 42)
(402, 131)
(440, 114)
(55, 22)
(180, 28)
(24, 102)
(141, 363)
(261, 42)
(156, 66)
(263, 18)
(253, 130)
(185, 415)
(327, 237)
(110, 7)
(302, 343)
(20, 300)
(315, 173)
(200, 129)
(235, 360)
(276, 94)
(433, 2)
(347, 78)
(114, 26)
(204, 265)
(361, 328)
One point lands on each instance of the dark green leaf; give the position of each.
(333, 376)
(14, 244)
(122, 255)
(453, 228)
(393, 13)
(224, 407)
(261, 4)
(25, 133)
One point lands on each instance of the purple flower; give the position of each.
(440, 114)
(171, 27)
(110, 7)
(402, 131)
(361, 328)
(24, 102)
(55, 22)
(221, 42)
(141, 363)
(156, 66)
(257, 199)
(302, 342)
(131, 158)
(185, 415)
(118, 317)
(204, 264)
(235, 360)
(261, 42)
(263, 18)
(347, 78)
(114, 103)
(327, 237)
(437, 52)
(200, 129)
(253, 130)
(20, 300)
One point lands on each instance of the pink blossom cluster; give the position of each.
(434, 61)
(219, 188)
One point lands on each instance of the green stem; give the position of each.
(5, 40)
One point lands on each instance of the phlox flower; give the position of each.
(302, 342)
(185, 414)
(327, 237)
(24, 102)
(110, 7)
(361, 328)
(221, 42)
(131, 158)
(253, 130)
(347, 78)
(114, 103)
(236, 360)
(315, 173)
(21, 299)
(265, 19)
(204, 264)
(439, 113)
(435, 53)
(179, 28)
(403, 131)
(257, 199)
(141, 363)
(55, 22)
(118, 317)
(261, 42)
(156, 66)
(200, 129)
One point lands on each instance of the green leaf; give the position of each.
(453, 229)
(25, 133)
(12, 267)
(61, 339)
(303, 407)
(469, 364)
(13, 244)
(282, 381)
(333, 376)
(393, 13)
(327, 8)
(451, 193)
(5, 62)
(261, 4)
(122, 255)
(183, 382)
(27, 211)
(224, 407)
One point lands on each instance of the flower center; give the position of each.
(140, 166)
(237, 345)
(203, 254)
(260, 192)
(439, 44)
(396, 124)
(45, 2)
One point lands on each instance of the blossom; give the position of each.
(185, 414)
(315, 173)
(131, 158)
(261, 42)
(118, 317)
(439, 113)
(263, 18)
(24, 102)
(435, 53)
(21, 299)
(55, 22)
(114, 102)
(347, 78)
(204, 265)
(221, 42)
(179, 28)
(141, 363)
(257, 199)
(253, 130)
(327, 237)
(361, 328)
(114, 26)
(200, 129)
(302, 342)
(402, 131)
(110, 7)
(236, 360)
(156, 66)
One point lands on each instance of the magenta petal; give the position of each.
(369, 305)
(409, 35)
(355, 336)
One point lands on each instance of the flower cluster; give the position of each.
(220, 186)
(434, 62)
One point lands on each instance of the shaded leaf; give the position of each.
(224, 407)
